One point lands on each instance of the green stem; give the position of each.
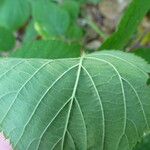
(96, 29)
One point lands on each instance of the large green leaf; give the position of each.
(48, 49)
(50, 19)
(97, 102)
(128, 25)
(14, 13)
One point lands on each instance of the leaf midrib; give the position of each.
(72, 100)
(40, 102)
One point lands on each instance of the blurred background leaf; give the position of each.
(128, 25)
(7, 39)
(51, 49)
(90, 1)
(14, 13)
(89, 23)
(144, 53)
(144, 144)
(50, 20)
(30, 33)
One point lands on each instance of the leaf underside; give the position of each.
(97, 102)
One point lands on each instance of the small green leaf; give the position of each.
(128, 25)
(14, 13)
(144, 144)
(97, 102)
(48, 49)
(73, 9)
(7, 39)
(90, 1)
(75, 33)
(143, 52)
(30, 33)
(50, 19)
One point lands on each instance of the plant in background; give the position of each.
(65, 98)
